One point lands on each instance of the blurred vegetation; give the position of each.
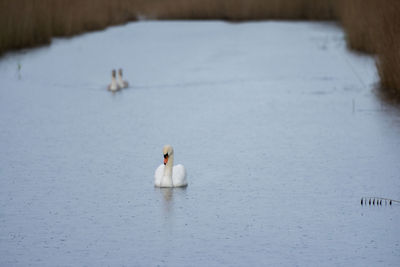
(25, 23)
(371, 26)
(239, 10)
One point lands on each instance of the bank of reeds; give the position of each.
(239, 10)
(389, 50)
(25, 23)
(371, 26)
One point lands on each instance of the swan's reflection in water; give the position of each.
(169, 196)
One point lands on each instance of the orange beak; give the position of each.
(165, 159)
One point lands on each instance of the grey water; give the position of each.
(279, 126)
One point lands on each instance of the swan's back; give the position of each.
(179, 176)
(122, 83)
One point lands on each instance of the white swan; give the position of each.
(166, 174)
(113, 87)
(121, 82)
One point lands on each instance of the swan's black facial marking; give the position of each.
(165, 159)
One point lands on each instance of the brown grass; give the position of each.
(359, 21)
(388, 49)
(371, 26)
(25, 23)
(237, 10)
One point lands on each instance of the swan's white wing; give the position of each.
(158, 175)
(179, 176)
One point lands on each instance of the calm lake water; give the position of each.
(278, 125)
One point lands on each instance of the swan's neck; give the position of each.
(169, 166)
(120, 81)
(114, 84)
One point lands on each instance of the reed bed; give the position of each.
(371, 26)
(238, 10)
(25, 23)
(388, 50)
(360, 22)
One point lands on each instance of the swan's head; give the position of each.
(120, 72)
(113, 73)
(167, 152)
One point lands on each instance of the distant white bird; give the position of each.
(166, 174)
(113, 87)
(121, 82)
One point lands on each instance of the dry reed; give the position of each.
(237, 10)
(388, 50)
(359, 21)
(25, 23)
(373, 26)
